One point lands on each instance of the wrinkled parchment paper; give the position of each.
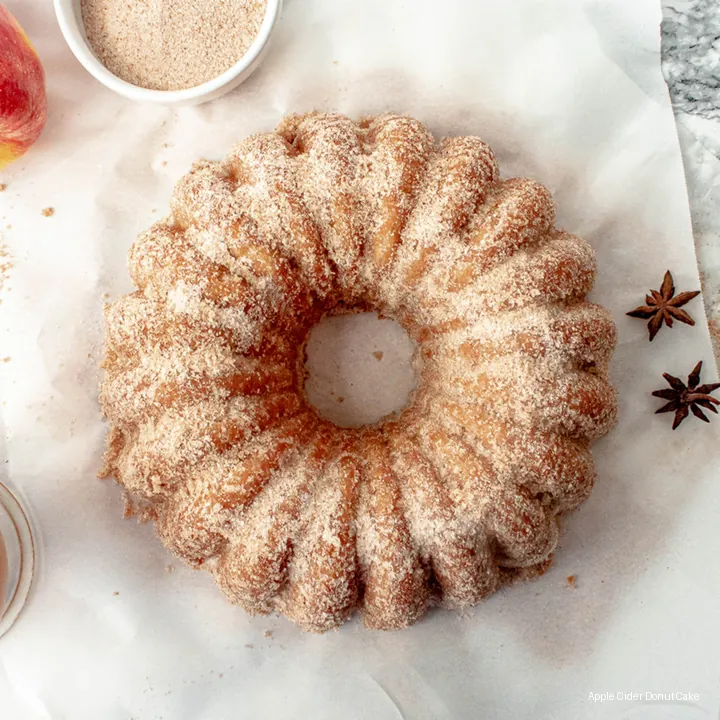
(568, 92)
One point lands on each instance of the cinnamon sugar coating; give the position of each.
(213, 437)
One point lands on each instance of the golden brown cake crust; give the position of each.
(211, 433)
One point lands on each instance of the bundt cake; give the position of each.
(212, 435)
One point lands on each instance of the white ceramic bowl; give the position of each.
(18, 543)
(71, 24)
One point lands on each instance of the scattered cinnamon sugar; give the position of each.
(48, 211)
(714, 325)
(5, 265)
(171, 44)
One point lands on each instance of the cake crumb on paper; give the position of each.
(378, 355)
(3, 187)
(48, 211)
(572, 581)
(5, 264)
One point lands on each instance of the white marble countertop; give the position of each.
(691, 64)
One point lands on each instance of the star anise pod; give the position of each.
(664, 305)
(684, 398)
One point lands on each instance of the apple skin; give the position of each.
(23, 103)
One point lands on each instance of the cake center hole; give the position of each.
(359, 368)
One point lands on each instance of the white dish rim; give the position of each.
(68, 15)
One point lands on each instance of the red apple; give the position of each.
(23, 105)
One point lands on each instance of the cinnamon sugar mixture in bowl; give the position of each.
(171, 44)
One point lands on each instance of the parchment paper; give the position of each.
(568, 92)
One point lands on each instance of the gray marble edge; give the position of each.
(691, 65)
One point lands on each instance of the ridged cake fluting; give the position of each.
(211, 433)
